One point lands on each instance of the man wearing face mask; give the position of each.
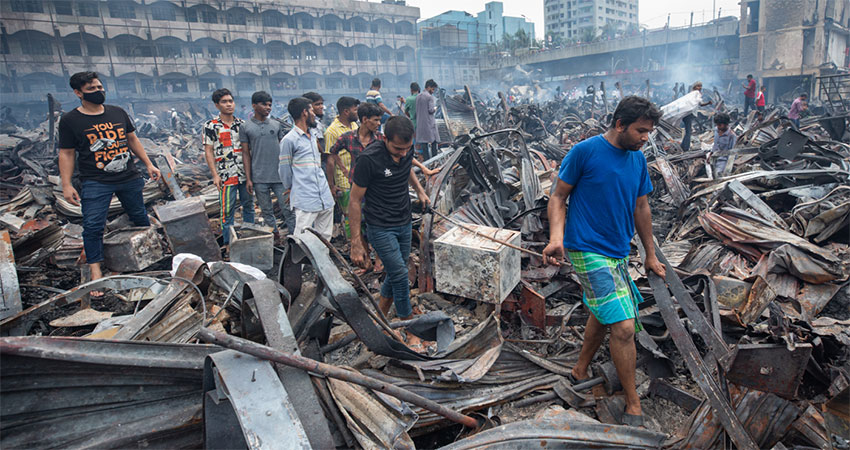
(300, 169)
(101, 137)
(606, 179)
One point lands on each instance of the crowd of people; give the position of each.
(354, 173)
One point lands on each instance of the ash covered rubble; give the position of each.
(745, 342)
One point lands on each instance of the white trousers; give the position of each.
(321, 221)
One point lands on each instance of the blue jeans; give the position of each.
(94, 200)
(227, 197)
(264, 193)
(393, 246)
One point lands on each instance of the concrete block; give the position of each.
(471, 266)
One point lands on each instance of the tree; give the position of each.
(587, 34)
(608, 31)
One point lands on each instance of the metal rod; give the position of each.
(300, 362)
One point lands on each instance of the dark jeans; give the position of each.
(749, 102)
(95, 198)
(689, 122)
(393, 246)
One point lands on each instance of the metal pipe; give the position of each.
(327, 370)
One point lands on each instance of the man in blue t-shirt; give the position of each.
(606, 180)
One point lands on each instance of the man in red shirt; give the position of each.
(760, 99)
(749, 94)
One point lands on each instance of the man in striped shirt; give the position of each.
(300, 170)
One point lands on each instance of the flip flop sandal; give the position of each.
(574, 380)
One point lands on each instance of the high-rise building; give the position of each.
(187, 48)
(487, 27)
(576, 19)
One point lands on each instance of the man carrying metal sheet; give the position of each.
(606, 179)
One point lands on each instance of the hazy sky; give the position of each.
(652, 13)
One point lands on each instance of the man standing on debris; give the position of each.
(101, 137)
(410, 104)
(318, 104)
(336, 170)
(381, 176)
(427, 135)
(724, 139)
(797, 107)
(606, 179)
(260, 137)
(373, 95)
(223, 152)
(760, 99)
(749, 94)
(301, 171)
(346, 149)
(688, 120)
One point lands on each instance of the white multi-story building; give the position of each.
(571, 19)
(188, 48)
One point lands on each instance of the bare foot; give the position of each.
(579, 375)
(379, 266)
(633, 409)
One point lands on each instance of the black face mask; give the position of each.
(96, 97)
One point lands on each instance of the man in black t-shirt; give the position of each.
(100, 138)
(381, 176)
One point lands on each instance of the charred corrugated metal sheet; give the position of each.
(81, 393)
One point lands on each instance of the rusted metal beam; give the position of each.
(701, 374)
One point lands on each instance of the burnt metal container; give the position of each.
(188, 229)
(132, 249)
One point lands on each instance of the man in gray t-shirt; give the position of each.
(260, 136)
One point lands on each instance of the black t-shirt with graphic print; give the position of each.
(111, 164)
(386, 182)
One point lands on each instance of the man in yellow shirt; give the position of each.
(344, 122)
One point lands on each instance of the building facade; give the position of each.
(168, 49)
(576, 19)
(485, 28)
(786, 44)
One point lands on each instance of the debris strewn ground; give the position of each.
(746, 342)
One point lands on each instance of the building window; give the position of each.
(310, 53)
(271, 19)
(31, 6)
(242, 51)
(196, 50)
(121, 10)
(169, 50)
(127, 86)
(399, 56)
(162, 11)
(306, 22)
(72, 47)
(237, 17)
(275, 52)
(87, 9)
(208, 15)
(348, 53)
(95, 48)
(63, 7)
(373, 28)
(36, 46)
(215, 52)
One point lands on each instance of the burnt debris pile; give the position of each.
(746, 340)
